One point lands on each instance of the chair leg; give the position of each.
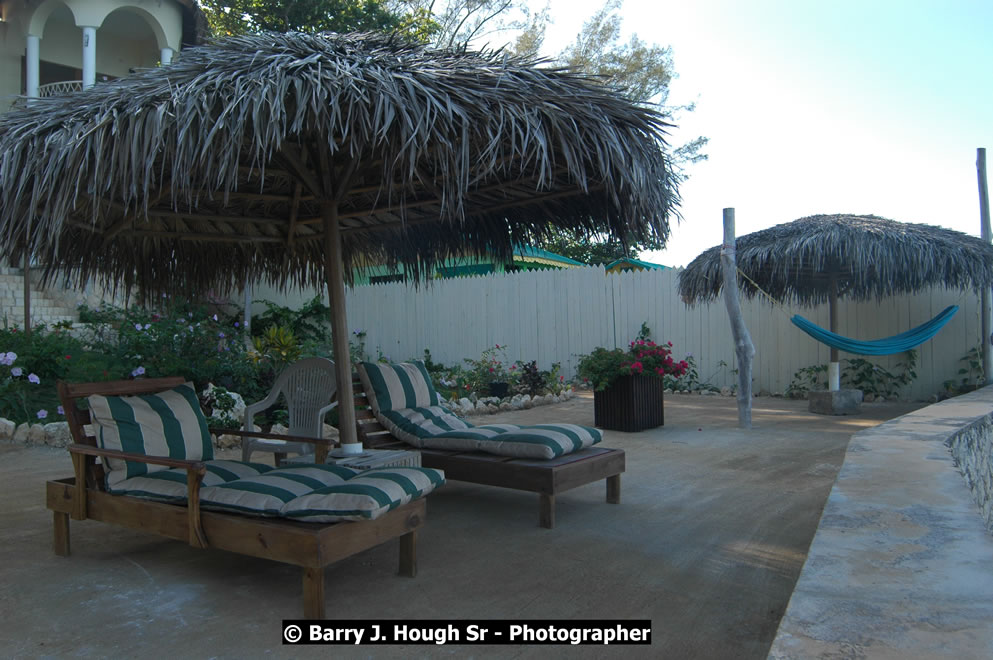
(546, 510)
(614, 489)
(313, 593)
(408, 554)
(246, 450)
(278, 457)
(61, 536)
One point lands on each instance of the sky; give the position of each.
(849, 106)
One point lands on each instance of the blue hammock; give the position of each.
(886, 346)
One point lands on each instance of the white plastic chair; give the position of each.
(308, 387)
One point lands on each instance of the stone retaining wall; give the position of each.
(972, 450)
(902, 562)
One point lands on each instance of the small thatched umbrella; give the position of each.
(825, 257)
(290, 158)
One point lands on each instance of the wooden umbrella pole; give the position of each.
(985, 234)
(334, 272)
(743, 347)
(834, 368)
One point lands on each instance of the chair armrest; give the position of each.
(272, 436)
(195, 471)
(87, 450)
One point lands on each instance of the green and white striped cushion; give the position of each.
(396, 386)
(365, 496)
(170, 485)
(168, 423)
(436, 428)
(413, 424)
(266, 494)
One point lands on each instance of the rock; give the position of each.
(667, 391)
(57, 434)
(279, 429)
(227, 441)
(7, 429)
(869, 398)
(709, 393)
(237, 412)
(764, 393)
(549, 398)
(481, 406)
(515, 399)
(490, 408)
(465, 403)
(528, 404)
(725, 391)
(517, 405)
(329, 432)
(525, 397)
(505, 406)
(36, 434)
(21, 433)
(835, 402)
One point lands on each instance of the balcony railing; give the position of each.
(63, 88)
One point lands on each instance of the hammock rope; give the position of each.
(886, 346)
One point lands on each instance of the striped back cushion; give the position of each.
(397, 386)
(168, 423)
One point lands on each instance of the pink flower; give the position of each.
(637, 367)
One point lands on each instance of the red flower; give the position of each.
(68, 357)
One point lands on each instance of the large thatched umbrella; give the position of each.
(289, 158)
(826, 257)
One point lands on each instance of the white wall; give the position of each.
(555, 316)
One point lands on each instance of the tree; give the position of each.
(227, 17)
(597, 251)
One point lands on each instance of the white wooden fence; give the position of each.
(556, 316)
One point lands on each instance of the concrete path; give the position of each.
(707, 543)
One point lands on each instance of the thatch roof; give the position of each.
(223, 166)
(870, 257)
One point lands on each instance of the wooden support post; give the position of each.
(79, 491)
(194, 477)
(834, 367)
(408, 554)
(546, 510)
(27, 294)
(987, 305)
(60, 541)
(313, 593)
(743, 347)
(614, 489)
(334, 272)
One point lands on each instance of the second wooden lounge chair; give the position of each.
(548, 477)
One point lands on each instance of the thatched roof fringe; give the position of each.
(869, 257)
(429, 134)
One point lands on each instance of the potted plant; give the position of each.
(628, 384)
(488, 373)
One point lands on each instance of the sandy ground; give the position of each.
(707, 543)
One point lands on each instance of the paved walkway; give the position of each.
(707, 543)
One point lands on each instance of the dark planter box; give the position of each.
(630, 403)
(499, 389)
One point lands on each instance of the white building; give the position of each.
(58, 47)
(54, 47)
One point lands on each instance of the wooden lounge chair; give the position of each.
(313, 546)
(548, 478)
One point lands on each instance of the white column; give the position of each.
(32, 58)
(834, 376)
(166, 57)
(89, 57)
